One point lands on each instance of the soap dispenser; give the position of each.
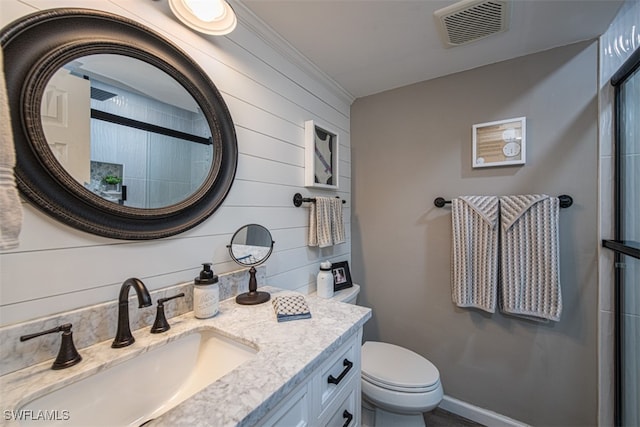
(324, 282)
(206, 293)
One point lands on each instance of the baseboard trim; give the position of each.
(477, 414)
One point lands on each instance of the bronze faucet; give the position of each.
(123, 335)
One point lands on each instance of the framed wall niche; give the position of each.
(499, 143)
(321, 156)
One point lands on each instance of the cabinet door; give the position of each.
(294, 411)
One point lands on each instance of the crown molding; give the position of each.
(257, 26)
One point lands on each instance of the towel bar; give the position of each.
(298, 200)
(565, 201)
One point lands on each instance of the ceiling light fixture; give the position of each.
(215, 17)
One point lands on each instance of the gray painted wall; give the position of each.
(413, 144)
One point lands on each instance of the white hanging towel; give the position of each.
(326, 225)
(10, 205)
(530, 280)
(337, 222)
(474, 266)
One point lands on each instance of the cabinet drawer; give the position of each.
(346, 413)
(338, 371)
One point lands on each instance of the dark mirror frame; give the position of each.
(253, 296)
(250, 264)
(34, 48)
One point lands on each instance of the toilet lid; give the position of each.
(397, 368)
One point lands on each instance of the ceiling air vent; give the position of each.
(471, 20)
(101, 95)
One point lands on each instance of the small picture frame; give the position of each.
(499, 143)
(341, 275)
(321, 156)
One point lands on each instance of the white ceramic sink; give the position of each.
(146, 386)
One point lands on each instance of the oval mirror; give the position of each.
(123, 172)
(251, 245)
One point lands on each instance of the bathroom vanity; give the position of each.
(301, 371)
(330, 396)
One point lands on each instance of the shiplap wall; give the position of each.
(57, 268)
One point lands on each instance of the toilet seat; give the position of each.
(401, 402)
(396, 368)
(401, 389)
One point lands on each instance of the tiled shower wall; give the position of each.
(159, 170)
(616, 45)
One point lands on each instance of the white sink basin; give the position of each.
(144, 387)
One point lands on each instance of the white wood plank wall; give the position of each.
(57, 268)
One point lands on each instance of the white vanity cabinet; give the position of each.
(285, 382)
(329, 397)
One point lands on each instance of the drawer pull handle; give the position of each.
(348, 365)
(348, 417)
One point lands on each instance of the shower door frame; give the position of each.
(618, 245)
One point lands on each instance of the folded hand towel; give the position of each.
(326, 226)
(11, 211)
(290, 307)
(474, 252)
(337, 222)
(530, 282)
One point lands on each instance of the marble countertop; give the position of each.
(287, 353)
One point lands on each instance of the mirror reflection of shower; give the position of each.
(127, 131)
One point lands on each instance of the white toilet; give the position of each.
(398, 385)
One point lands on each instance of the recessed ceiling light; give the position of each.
(215, 17)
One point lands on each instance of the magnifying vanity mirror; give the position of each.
(117, 131)
(251, 245)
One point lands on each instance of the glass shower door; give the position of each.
(629, 217)
(627, 243)
(629, 143)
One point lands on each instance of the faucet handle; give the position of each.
(67, 355)
(161, 324)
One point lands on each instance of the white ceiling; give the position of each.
(369, 46)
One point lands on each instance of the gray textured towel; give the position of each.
(326, 225)
(475, 251)
(530, 282)
(10, 205)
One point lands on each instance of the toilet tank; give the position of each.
(348, 295)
